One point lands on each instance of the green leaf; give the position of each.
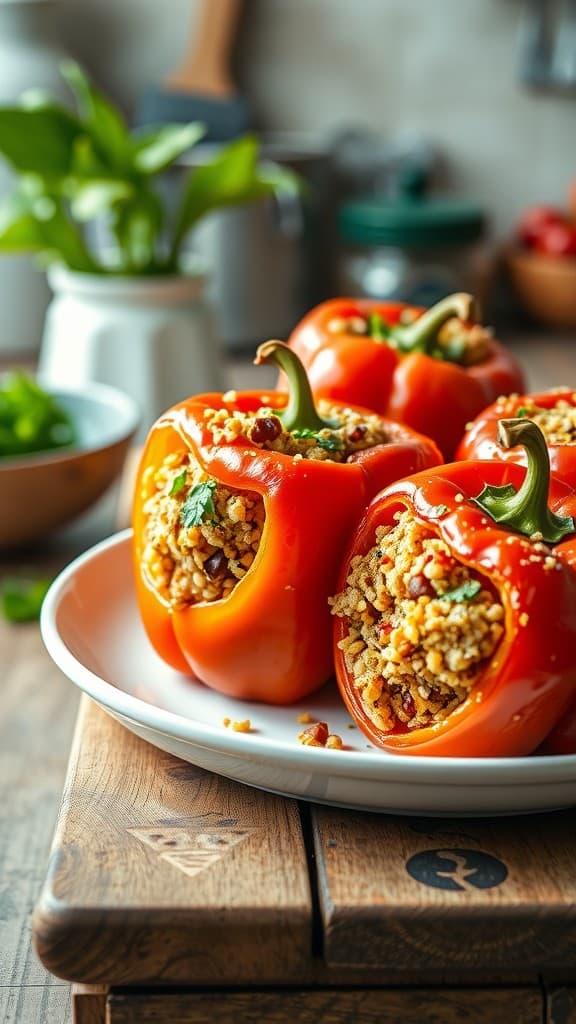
(93, 199)
(38, 141)
(155, 151)
(101, 119)
(31, 420)
(19, 229)
(522, 411)
(21, 599)
(199, 504)
(233, 177)
(86, 163)
(332, 443)
(465, 592)
(178, 483)
(137, 224)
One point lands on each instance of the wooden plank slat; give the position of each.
(560, 1004)
(89, 1004)
(161, 871)
(464, 895)
(375, 1006)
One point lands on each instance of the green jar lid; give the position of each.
(410, 223)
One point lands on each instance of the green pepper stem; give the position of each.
(526, 510)
(422, 334)
(300, 412)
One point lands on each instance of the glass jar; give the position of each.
(412, 250)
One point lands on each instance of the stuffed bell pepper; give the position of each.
(434, 370)
(243, 505)
(455, 618)
(553, 411)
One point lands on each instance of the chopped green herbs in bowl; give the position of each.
(31, 419)
(60, 450)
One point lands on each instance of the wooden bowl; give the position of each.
(43, 491)
(546, 286)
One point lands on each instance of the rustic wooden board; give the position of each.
(162, 871)
(401, 891)
(334, 1006)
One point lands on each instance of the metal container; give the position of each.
(268, 261)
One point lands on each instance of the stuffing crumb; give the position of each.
(244, 726)
(318, 735)
(305, 718)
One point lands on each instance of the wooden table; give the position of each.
(38, 708)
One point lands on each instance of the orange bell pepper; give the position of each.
(494, 518)
(270, 639)
(403, 371)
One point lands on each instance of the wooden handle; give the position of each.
(205, 66)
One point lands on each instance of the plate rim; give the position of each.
(373, 765)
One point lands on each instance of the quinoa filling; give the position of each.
(421, 627)
(457, 341)
(200, 536)
(558, 424)
(351, 431)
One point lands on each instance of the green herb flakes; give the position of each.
(465, 592)
(178, 483)
(439, 510)
(199, 504)
(330, 443)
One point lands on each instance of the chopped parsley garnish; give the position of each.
(21, 599)
(178, 483)
(31, 420)
(199, 504)
(522, 411)
(439, 510)
(330, 443)
(465, 592)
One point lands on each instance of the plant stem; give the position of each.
(300, 412)
(422, 335)
(526, 510)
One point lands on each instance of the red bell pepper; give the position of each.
(359, 351)
(494, 519)
(270, 638)
(555, 412)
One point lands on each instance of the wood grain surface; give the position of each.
(378, 1006)
(37, 712)
(162, 871)
(395, 891)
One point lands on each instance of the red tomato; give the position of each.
(558, 239)
(535, 221)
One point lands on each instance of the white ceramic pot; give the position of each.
(151, 337)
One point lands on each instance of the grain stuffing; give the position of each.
(557, 421)
(200, 536)
(420, 626)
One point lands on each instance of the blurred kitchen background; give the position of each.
(468, 104)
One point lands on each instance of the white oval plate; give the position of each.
(92, 630)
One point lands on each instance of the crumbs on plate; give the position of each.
(244, 726)
(318, 735)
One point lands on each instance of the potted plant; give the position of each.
(130, 313)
